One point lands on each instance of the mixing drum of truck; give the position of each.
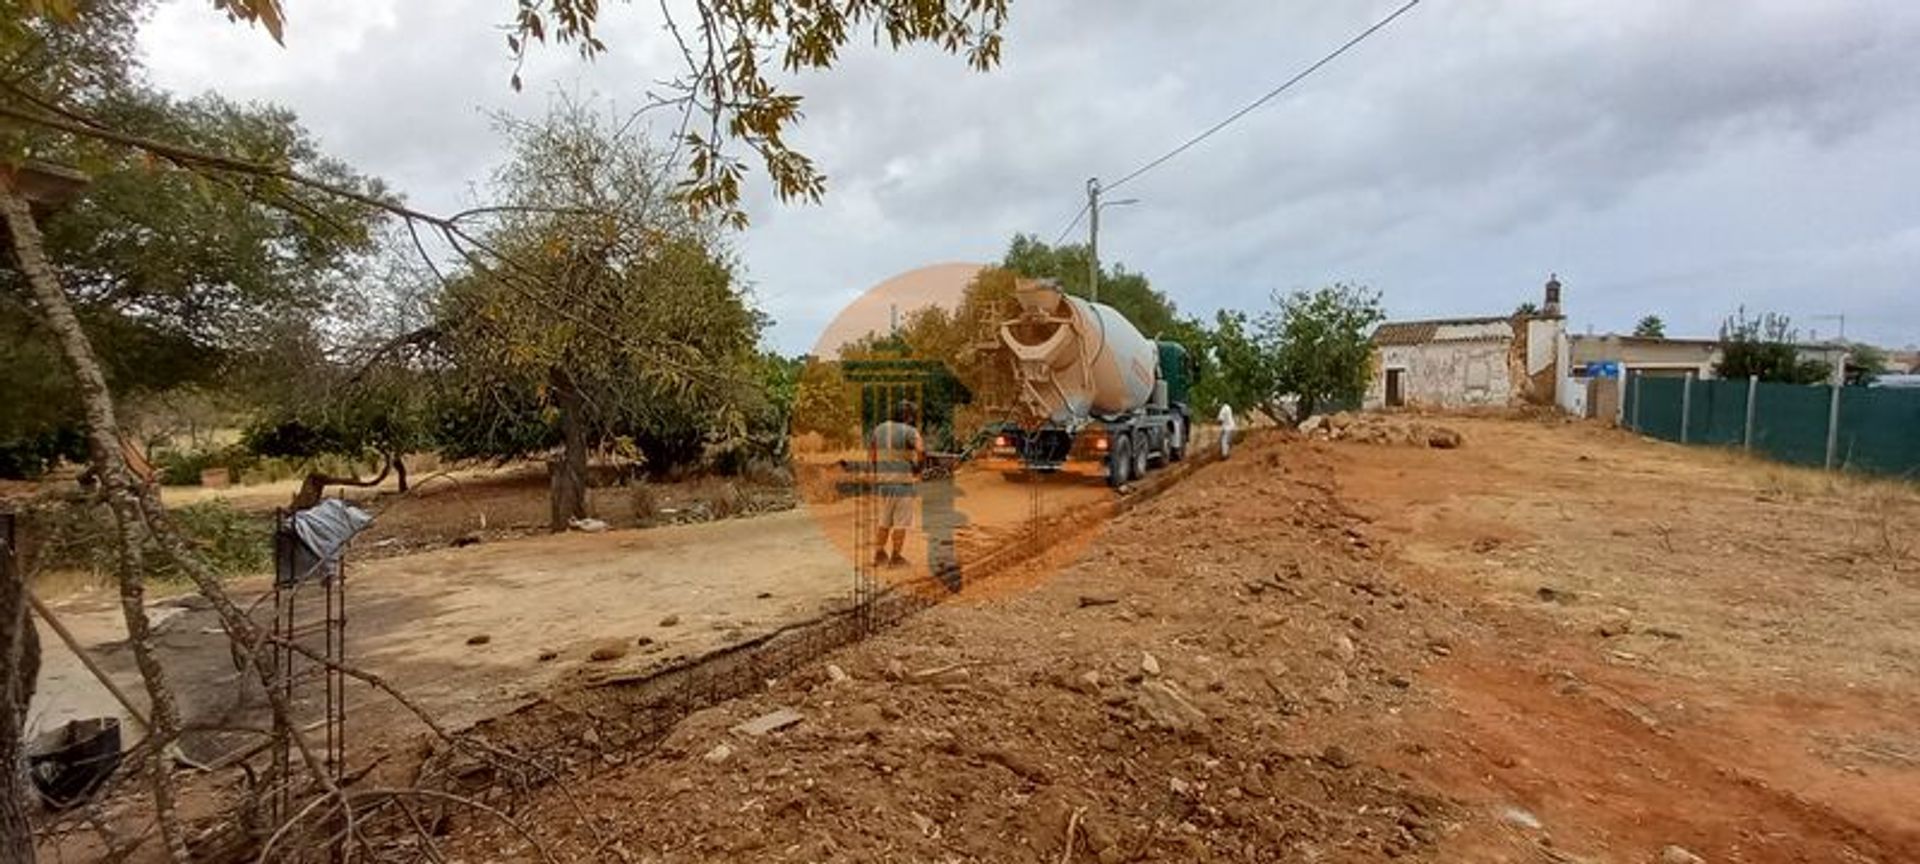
(1092, 392)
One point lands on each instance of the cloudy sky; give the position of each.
(1663, 156)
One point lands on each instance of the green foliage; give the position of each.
(1651, 327)
(620, 313)
(1313, 346)
(1323, 353)
(230, 540)
(1864, 363)
(825, 404)
(1766, 345)
(1245, 374)
(312, 405)
(183, 467)
(28, 457)
(1527, 309)
(237, 255)
(82, 537)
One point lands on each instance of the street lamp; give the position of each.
(1094, 206)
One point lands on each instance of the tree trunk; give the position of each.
(20, 658)
(109, 466)
(568, 472)
(399, 463)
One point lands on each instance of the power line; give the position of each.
(1076, 220)
(1270, 94)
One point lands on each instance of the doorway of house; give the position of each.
(1396, 396)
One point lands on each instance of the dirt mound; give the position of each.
(1196, 718)
(1381, 429)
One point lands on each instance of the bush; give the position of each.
(230, 540)
(66, 535)
(183, 468)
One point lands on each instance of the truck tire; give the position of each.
(1177, 440)
(1120, 462)
(1142, 453)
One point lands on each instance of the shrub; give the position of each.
(182, 468)
(230, 540)
(68, 535)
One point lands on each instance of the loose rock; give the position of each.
(1149, 663)
(1167, 707)
(719, 753)
(606, 651)
(772, 721)
(479, 639)
(670, 620)
(1679, 855)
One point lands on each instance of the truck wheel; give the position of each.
(1119, 463)
(1142, 453)
(1177, 442)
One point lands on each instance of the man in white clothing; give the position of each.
(1226, 429)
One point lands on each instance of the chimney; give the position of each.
(1552, 306)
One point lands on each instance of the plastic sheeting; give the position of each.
(324, 530)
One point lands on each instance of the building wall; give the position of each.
(1445, 374)
(1675, 354)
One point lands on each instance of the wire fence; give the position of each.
(1875, 430)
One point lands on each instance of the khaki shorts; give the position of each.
(898, 511)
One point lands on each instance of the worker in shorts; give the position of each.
(895, 454)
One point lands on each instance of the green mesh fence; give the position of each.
(1879, 428)
(1790, 422)
(1718, 414)
(1656, 406)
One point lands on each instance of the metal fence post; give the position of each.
(1686, 405)
(1637, 386)
(1753, 389)
(1620, 405)
(1833, 410)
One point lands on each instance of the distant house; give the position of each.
(1470, 362)
(1600, 363)
(1616, 354)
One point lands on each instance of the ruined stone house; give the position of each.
(1471, 362)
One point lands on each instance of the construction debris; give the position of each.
(1386, 429)
(772, 721)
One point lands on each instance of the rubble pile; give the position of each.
(1384, 429)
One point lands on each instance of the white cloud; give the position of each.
(1678, 158)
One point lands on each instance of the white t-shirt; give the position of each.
(1226, 417)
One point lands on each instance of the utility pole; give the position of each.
(1093, 239)
(1094, 206)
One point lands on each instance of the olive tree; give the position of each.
(619, 319)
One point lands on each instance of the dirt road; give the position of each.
(473, 632)
(1557, 643)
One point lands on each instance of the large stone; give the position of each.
(772, 721)
(1679, 855)
(1167, 707)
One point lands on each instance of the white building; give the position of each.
(1471, 362)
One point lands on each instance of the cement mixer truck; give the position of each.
(1090, 392)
